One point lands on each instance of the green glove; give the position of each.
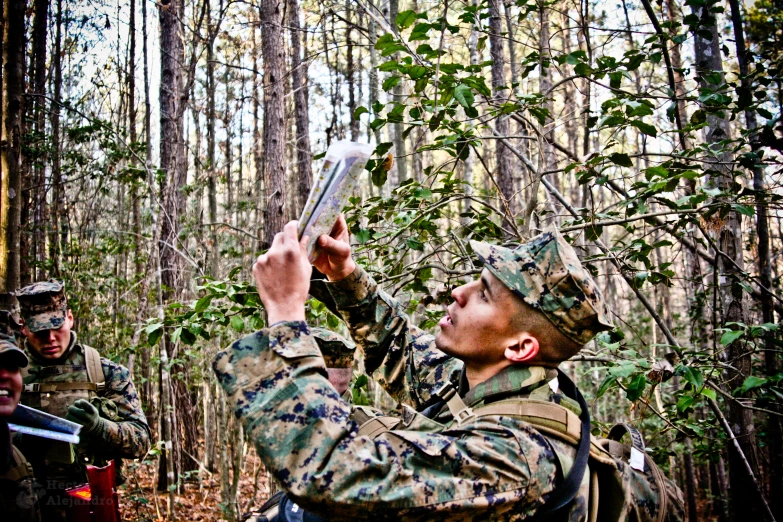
(84, 413)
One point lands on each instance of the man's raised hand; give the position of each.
(282, 276)
(334, 259)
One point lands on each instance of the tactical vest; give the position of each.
(53, 388)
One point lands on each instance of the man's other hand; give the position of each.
(334, 259)
(282, 276)
(84, 413)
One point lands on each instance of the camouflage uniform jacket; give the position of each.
(489, 468)
(18, 494)
(127, 433)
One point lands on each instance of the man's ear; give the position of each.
(524, 350)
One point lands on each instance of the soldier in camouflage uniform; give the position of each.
(59, 381)
(503, 337)
(18, 498)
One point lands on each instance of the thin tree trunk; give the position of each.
(774, 437)
(10, 147)
(503, 171)
(57, 203)
(272, 50)
(708, 60)
(40, 26)
(299, 84)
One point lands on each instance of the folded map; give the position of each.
(332, 186)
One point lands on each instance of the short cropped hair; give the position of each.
(554, 346)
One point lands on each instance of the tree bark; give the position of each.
(774, 435)
(272, 50)
(40, 26)
(503, 171)
(10, 146)
(299, 85)
(730, 266)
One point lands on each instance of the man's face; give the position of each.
(50, 344)
(477, 328)
(10, 386)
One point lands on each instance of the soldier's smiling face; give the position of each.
(478, 326)
(50, 344)
(10, 385)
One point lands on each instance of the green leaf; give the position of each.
(615, 79)
(751, 383)
(390, 82)
(608, 382)
(730, 336)
(359, 111)
(709, 392)
(692, 375)
(405, 19)
(154, 336)
(237, 323)
(203, 303)
(645, 128)
(417, 71)
(464, 95)
(685, 402)
(582, 69)
(362, 235)
(635, 389)
(620, 159)
(415, 244)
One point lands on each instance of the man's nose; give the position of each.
(460, 294)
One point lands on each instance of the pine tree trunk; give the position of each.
(57, 202)
(38, 201)
(10, 146)
(299, 85)
(502, 168)
(730, 266)
(272, 50)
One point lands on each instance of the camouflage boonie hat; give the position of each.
(546, 273)
(43, 305)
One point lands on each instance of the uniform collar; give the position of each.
(513, 380)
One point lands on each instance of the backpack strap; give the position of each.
(638, 458)
(22, 468)
(94, 368)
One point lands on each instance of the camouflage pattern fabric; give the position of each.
(18, 490)
(491, 468)
(43, 305)
(546, 273)
(127, 437)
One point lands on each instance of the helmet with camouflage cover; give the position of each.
(43, 305)
(547, 275)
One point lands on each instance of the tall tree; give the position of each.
(503, 176)
(272, 49)
(730, 266)
(10, 146)
(299, 85)
(38, 193)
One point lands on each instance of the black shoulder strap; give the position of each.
(565, 492)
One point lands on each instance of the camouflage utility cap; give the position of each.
(43, 305)
(9, 350)
(546, 273)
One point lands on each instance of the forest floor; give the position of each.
(196, 501)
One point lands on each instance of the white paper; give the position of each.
(554, 385)
(637, 459)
